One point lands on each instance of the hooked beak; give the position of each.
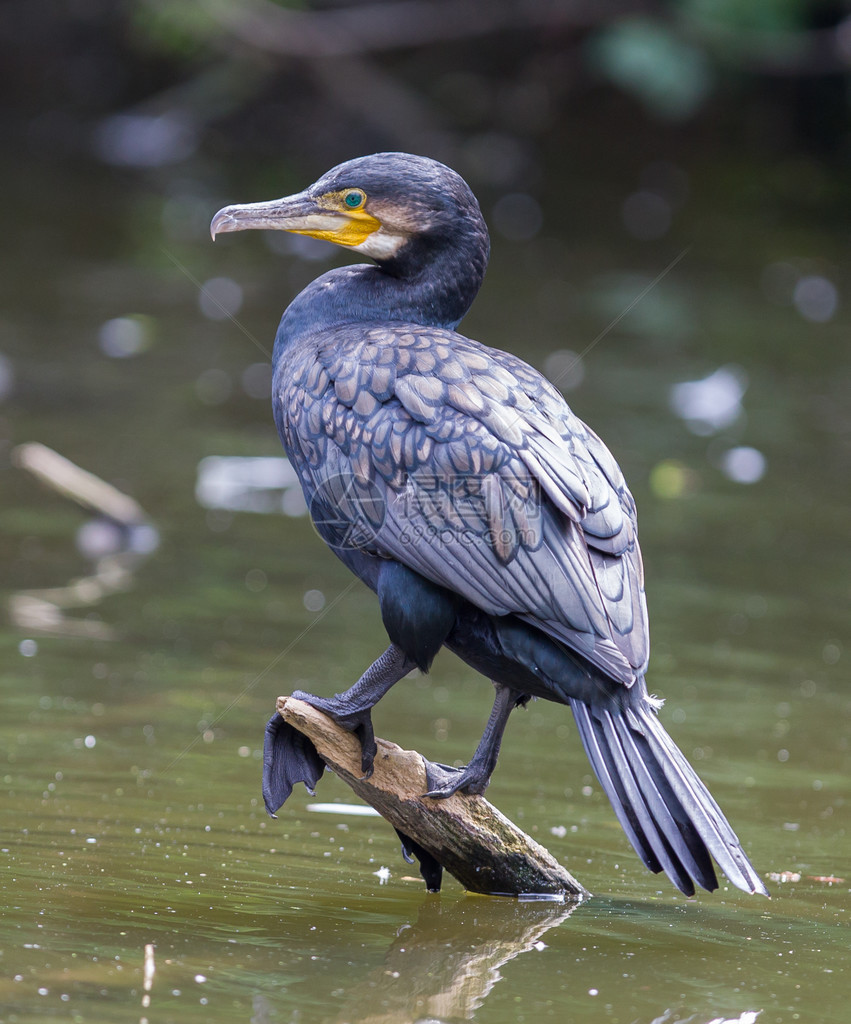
(301, 214)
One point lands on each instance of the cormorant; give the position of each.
(455, 481)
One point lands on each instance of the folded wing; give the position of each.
(465, 464)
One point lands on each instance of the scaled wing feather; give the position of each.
(487, 482)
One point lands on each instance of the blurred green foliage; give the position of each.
(182, 30)
(747, 15)
(669, 75)
(259, 71)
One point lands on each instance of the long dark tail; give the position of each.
(667, 813)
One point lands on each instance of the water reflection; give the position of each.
(116, 541)
(445, 964)
(670, 1017)
(235, 483)
(749, 650)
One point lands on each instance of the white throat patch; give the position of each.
(381, 244)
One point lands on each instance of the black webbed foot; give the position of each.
(443, 780)
(430, 868)
(356, 720)
(288, 757)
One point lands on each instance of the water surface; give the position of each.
(130, 806)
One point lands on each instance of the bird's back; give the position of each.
(465, 464)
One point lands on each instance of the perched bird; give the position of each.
(455, 481)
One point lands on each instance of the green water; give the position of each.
(130, 807)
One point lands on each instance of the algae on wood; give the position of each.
(468, 836)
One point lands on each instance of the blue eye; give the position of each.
(354, 199)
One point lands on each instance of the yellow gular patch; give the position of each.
(353, 231)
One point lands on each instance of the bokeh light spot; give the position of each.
(670, 479)
(124, 336)
(220, 298)
(744, 465)
(815, 298)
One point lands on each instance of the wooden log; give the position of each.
(468, 836)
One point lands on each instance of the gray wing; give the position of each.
(465, 464)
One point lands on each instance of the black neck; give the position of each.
(430, 282)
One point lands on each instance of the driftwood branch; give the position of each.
(44, 610)
(469, 837)
(78, 484)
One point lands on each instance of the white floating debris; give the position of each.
(147, 975)
(383, 875)
(541, 897)
(784, 876)
(355, 809)
(748, 1017)
(245, 484)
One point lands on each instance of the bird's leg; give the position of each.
(430, 868)
(351, 709)
(443, 780)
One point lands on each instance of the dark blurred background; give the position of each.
(517, 94)
(666, 183)
(499, 88)
(629, 126)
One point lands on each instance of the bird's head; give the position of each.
(377, 205)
